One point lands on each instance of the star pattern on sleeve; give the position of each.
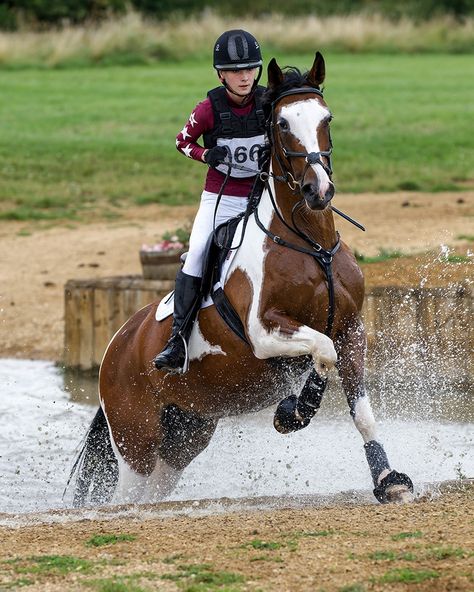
(184, 132)
(187, 150)
(192, 119)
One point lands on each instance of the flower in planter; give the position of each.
(163, 247)
(176, 240)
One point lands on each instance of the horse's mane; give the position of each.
(292, 78)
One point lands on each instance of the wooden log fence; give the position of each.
(420, 326)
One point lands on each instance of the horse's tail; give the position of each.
(96, 466)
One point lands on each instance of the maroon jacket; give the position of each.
(200, 121)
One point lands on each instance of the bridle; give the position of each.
(311, 158)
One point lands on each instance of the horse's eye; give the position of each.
(283, 125)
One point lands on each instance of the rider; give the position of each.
(231, 123)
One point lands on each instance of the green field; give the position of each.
(92, 140)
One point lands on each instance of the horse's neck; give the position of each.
(317, 225)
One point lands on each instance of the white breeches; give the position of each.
(203, 226)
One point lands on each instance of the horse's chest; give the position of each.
(348, 284)
(301, 287)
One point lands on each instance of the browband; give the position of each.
(297, 91)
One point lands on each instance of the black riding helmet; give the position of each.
(237, 50)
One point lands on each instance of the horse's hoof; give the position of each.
(286, 418)
(395, 488)
(399, 494)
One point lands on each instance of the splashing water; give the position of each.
(431, 440)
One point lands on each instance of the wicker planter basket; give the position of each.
(160, 265)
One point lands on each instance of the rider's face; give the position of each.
(239, 81)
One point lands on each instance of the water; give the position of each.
(44, 415)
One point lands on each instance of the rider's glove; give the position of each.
(215, 156)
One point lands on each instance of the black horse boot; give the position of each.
(187, 300)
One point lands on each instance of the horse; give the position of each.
(298, 292)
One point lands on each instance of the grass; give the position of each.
(407, 535)
(203, 577)
(132, 39)
(458, 258)
(51, 565)
(384, 255)
(80, 143)
(100, 540)
(126, 583)
(441, 553)
(267, 545)
(114, 585)
(406, 575)
(391, 556)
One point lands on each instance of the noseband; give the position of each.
(311, 158)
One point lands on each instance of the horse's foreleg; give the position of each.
(295, 413)
(279, 335)
(290, 338)
(351, 347)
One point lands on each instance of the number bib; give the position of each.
(244, 152)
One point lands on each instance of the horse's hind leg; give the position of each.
(134, 487)
(183, 435)
(390, 486)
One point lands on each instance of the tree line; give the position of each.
(54, 13)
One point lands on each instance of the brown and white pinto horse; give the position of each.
(290, 283)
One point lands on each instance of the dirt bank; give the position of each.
(425, 546)
(38, 259)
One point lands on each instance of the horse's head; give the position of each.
(298, 120)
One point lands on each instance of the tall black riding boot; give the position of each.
(187, 300)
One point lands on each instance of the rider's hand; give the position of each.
(215, 156)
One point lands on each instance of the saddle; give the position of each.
(218, 249)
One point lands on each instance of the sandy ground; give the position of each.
(425, 546)
(37, 260)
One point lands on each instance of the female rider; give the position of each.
(231, 123)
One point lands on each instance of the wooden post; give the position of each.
(96, 309)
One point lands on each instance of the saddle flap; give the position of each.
(217, 250)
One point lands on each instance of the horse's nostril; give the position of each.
(330, 192)
(309, 189)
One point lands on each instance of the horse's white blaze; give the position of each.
(303, 119)
(199, 347)
(364, 419)
(268, 344)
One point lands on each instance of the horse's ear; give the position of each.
(318, 72)
(275, 75)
